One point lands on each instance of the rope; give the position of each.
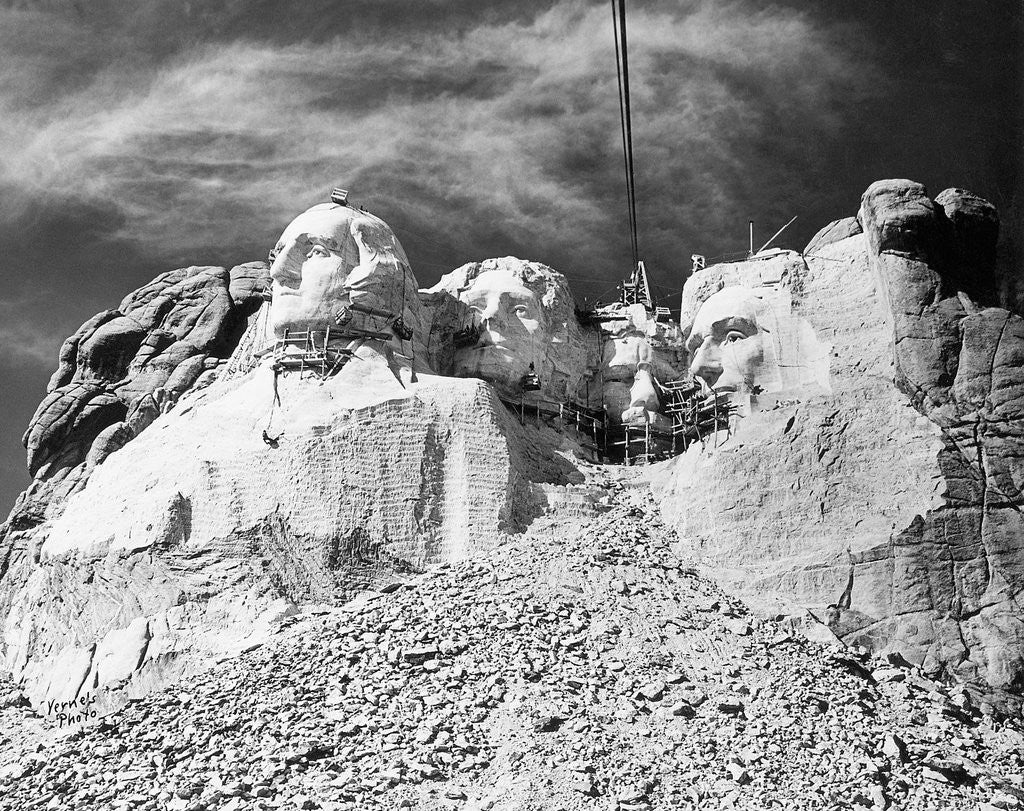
(272, 440)
(622, 72)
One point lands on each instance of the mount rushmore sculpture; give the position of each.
(227, 445)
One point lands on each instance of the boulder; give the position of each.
(975, 234)
(900, 218)
(65, 424)
(835, 231)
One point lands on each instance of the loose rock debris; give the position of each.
(578, 666)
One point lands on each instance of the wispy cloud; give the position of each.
(25, 341)
(497, 136)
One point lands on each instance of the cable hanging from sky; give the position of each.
(622, 71)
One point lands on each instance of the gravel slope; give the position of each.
(579, 667)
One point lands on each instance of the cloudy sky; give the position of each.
(137, 137)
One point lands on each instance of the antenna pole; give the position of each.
(751, 251)
(770, 241)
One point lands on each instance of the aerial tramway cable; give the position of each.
(622, 72)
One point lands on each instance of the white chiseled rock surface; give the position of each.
(193, 538)
(870, 487)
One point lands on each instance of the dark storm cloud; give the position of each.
(138, 137)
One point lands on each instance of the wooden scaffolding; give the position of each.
(697, 412)
(311, 352)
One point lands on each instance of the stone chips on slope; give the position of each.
(574, 670)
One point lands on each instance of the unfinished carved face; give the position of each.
(333, 256)
(644, 402)
(631, 364)
(726, 343)
(524, 313)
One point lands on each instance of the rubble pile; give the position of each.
(577, 666)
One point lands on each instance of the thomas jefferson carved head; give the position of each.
(525, 315)
(332, 256)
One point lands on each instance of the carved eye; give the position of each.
(318, 250)
(733, 336)
(522, 311)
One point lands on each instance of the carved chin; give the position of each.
(291, 312)
(495, 364)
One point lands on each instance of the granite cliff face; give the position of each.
(890, 505)
(194, 539)
(187, 497)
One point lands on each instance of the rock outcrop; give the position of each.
(194, 484)
(835, 231)
(125, 366)
(889, 506)
(190, 490)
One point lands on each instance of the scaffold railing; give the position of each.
(696, 413)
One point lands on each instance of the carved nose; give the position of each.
(287, 266)
(707, 363)
(492, 325)
(489, 332)
(489, 311)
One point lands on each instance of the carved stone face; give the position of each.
(631, 363)
(751, 340)
(333, 256)
(644, 403)
(510, 321)
(726, 341)
(313, 258)
(524, 312)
